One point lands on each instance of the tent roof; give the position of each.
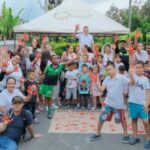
(64, 17)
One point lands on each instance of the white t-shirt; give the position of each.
(117, 65)
(6, 98)
(143, 56)
(107, 58)
(137, 92)
(115, 91)
(85, 40)
(17, 75)
(71, 77)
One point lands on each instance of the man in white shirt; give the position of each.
(84, 38)
(140, 54)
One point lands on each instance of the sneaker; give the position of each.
(78, 105)
(125, 139)
(89, 107)
(54, 106)
(49, 116)
(95, 137)
(46, 108)
(147, 144)
(35, 121)
(37, 111)
(82, 108)
(133, 141)
(93, 108)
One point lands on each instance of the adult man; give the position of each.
(20, 119)
(84, 38)
(124, 53)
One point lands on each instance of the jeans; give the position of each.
(84, 99)
(7, 144)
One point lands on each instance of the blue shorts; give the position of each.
(137, 111)
(107, 113)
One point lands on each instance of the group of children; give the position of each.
(86, 81)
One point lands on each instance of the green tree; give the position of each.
(8, 21)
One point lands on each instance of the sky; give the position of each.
(104, 5)
(32, 8)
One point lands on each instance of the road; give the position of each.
(74, 141)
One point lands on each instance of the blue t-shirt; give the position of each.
(16, 127)
(84, 83)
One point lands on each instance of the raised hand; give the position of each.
(30, 90)
(132, 70)
(22, 79)
(77, 27)
(137, 34)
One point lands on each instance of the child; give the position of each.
(84, 60)
(94, 77)
(147, 70)
(28, 86)
(122, 71)
(100, 63)
(114, 101)
(50, 80)
(84, 87)
(118, 62)
(137, 101)
(62, 92)
(71, 84)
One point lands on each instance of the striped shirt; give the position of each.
(115, 90)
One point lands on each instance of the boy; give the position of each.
(84, 60)
(71, 84)
(30, 86)
(114, 101)
(84, 87)
(137, 101)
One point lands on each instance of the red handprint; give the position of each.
(26, 37)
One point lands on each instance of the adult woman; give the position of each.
(49, 48)
(13, 70)
(108, 54)
(87, 51)
(35, 46)
(70, 54)
(7, 95)
(23, 63)
(45, 60)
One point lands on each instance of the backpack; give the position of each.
(24, 119)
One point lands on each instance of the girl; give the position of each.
(94, 77)
(35, 46)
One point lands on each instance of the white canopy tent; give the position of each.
(63, 19)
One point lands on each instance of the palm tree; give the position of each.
(8, 21)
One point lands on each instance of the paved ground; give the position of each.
(74, 141)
